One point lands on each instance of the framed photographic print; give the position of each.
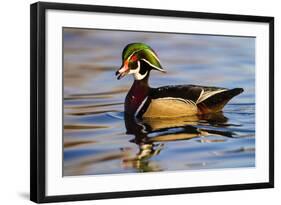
(129, 102)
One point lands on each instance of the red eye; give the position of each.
(134, 58)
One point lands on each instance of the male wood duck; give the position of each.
(142, 101)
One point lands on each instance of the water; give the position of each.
(98, 139)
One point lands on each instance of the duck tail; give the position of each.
(216, 102)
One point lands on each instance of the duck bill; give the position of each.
(122, 72)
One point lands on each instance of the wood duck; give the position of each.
(142, 101)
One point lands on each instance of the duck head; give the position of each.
(138, 59)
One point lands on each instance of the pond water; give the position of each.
(98, 139)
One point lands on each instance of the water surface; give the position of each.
(98, 139)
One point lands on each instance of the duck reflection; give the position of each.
(152, 134)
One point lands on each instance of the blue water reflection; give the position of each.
(97, 138)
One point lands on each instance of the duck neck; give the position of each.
(136, 95)
(141, 83)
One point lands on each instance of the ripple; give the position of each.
(98, 139)
(116, 115)
(71, 144)
(91, 113)
(84, 127)
(106, 94)
(93, 105)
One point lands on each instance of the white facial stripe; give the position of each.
(133, 53)
(153, 54)
(152, 64)
(134, 71)
(137, 74)
(141, 50)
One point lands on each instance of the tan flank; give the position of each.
(170, 107)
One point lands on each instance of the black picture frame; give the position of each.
(38, 101)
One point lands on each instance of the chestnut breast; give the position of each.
(135, 97)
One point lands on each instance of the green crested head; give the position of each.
(138, 59)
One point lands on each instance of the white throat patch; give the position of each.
(137, 74)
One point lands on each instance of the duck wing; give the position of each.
(194, 93)
(214, 101)
(206, 99)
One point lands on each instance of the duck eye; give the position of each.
(134, 58)
(133, 65)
